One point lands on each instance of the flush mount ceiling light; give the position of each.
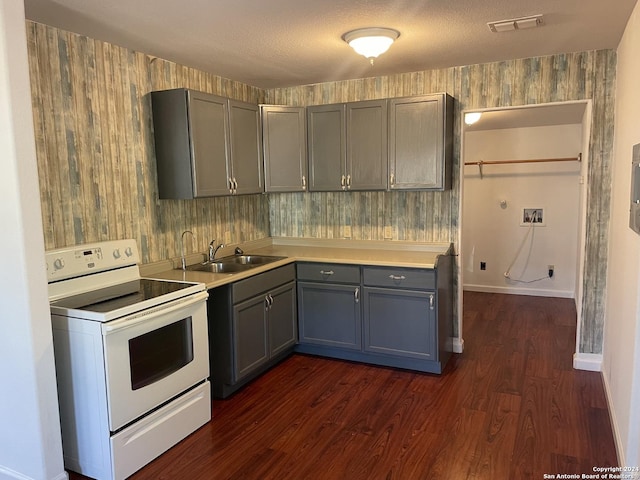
(472, 117)
(371, 42)
(515, 24)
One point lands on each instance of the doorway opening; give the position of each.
(523, 196)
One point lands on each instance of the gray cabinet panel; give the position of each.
(326, 143)
(420, 140)
(329, 315)
(329, 272)
(246, 148)
(250, 336)
(400, 322)
(207, 124)
(284, 144)
(412, 278)
(283, 331)
(367, 145)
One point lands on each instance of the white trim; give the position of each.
(520, 291)
(614, 423)
(591, 362)
(458, 345)
(6, 473)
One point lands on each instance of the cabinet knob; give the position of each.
(304, 182)
(392, 179)
(343, 181)
(348, 181)
(356, 295)
(431, 303)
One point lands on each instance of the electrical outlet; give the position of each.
(483, 265)
(551, 269)
(388, 233)
(347, 231)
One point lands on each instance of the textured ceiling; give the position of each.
(278, 43)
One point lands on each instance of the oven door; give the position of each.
(153, 356)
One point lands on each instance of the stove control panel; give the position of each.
(80, 260)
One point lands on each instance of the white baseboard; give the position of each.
(458, 345)
(536, 292)
(8, 474)
(591, 362)
(614, 423)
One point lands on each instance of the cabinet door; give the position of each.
(326, 143)
(367, 145)
(246, 147)
(329, 315)
(417, 143)
(250, 336)
(282, 319)
(400, 322)
(284, 144)
(209, 144)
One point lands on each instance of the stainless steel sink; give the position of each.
(251, 259)
(218, 267)
(234, 263)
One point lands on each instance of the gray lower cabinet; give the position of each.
(398, 317)
(420, 142)
(252, 326)
(329, 305)
(205, 145)
(400, 312)
(284, 145)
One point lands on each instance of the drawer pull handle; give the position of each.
(326, 272)
(397, 277)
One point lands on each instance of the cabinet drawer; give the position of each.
(413, 278)
(261, 282)
(329, 272)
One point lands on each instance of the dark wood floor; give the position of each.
(510, 407)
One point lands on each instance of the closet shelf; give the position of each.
(481, 163)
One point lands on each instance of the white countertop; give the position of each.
(374, 253)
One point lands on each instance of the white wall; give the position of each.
(30, 442)
(492, 232)
(621, 352)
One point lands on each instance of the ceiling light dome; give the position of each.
(371, 42)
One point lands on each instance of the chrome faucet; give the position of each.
(213, 250)
(184, 260)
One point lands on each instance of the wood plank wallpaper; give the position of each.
(97, 165)
(96, 158)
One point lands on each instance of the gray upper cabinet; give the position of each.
(206, 145)
(327, 147)
(284, 144)
(348, 146)
(246, 148)
(367, 145)
(420, 142)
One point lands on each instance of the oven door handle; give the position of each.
(148, 314)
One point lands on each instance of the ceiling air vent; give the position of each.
(515, 23)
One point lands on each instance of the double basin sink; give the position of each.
(234, 263)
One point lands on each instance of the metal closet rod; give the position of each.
(481, 163)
